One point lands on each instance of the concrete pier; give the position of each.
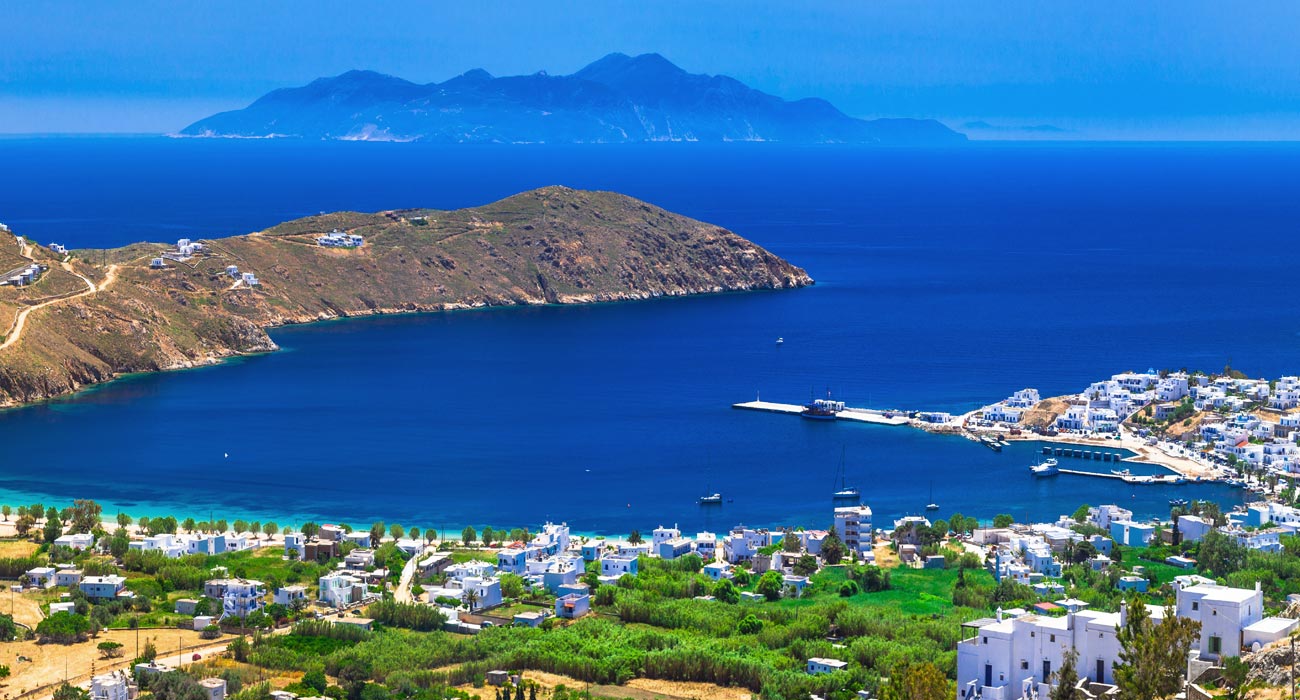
(857, 415)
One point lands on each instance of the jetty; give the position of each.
(858, 415)
(1057, 450)
(1135, 479)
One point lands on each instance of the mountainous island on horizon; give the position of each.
(617, 99)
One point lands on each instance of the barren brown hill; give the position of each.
(1045, 413)
(109, 313)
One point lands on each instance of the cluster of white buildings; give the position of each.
(185, 249)
(179, 545)
(339, 239)
(1017, 654)
(247, 278)
(1254, 440)
(1011, 409)
(24, 276)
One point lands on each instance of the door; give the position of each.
(988, 675)
(1101, 671)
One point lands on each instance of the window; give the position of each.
(1196, 605)
(1024, 665)
(1051, 638)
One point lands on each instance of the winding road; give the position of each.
(20, 320)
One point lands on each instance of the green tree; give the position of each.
(1236, 677)
(221, 525)
(24, 524)
(189, 525)
(1067, 676)
(749, 625)
(726, 592)
(468, 535)
(7, 511)
(86, 515)
(315, 679)
(8, 629)
(123, 520)
(634, 537)
(120, 544)
(241, 526)
(771, 585)
(270, 528)
(1153, 656)
(109, 650)
(397, 531)
(832, 547)
(414, 533)
(790, 543)
(309, 529)
(377, 533)
(71, 692)
(1220, 555)
(1003, 520)
(917, 681)
(805, 565)
(63, 627)
(53, 528)
(176, 685)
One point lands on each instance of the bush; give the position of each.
(749, 625)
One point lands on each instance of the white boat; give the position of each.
(845, 492)
(1121, 472)
(780, 341)
(932, 505)
(713, 499)
(1044, 469)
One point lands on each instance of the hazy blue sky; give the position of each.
(1185, 69)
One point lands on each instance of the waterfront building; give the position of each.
(853, 524)
(1191, 528)
(662, 534)
(706, 545)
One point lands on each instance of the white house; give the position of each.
(41, 576)
(718, 570)
(1013, 658)
(818, 665)
(67, 578)
(242, 597)
(102, 586)
(662, 534)
(288, 595)
(80, 540)
(341, 590)
(573, 605)
(616, 566)
(112, 686)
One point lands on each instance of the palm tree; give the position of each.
(471, 598)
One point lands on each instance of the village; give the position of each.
(1056, 587)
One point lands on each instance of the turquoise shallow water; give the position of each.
(946, 279)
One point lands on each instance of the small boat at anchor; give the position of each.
(1178, 503)
(713, 499)
(845, 492)
(1121, 472)
(1045, 469)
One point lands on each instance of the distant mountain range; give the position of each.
(617, 99)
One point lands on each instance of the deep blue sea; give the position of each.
(946, 279)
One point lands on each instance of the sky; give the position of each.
(1098, 69)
